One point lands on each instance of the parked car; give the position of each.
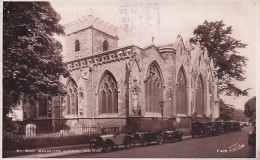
(145, 138)
(220, 127)
(201, 129)
(237, 126)
(215, 128)
(232, 126)
(110, 139)
(226, 126)
(172, 135)
(252, 136)
(244, 124)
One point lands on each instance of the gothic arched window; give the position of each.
(42, 106)
(72, 98)
(153, 89)
(77, 46)
(181, 92)
(108, 95)
(200, 96)
(105, 46)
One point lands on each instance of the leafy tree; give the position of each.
(222, 48)
(32, 60)
(225, 111)
(250, 109)
(238, 115)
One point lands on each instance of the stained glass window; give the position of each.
(181, 93)
(72, 98)
(200, 96)
(108, 95)
(153, 89)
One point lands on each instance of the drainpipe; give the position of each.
(91, 70)
(92, 97)
(60, 110)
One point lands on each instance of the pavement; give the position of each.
(46, 152)
(52, 151)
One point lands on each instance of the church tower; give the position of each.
(89, 36)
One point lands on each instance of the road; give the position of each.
(232, 145)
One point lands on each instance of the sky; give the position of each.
(143, 22)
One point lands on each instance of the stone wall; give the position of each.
(99, 37)
(131, 72)
(129, 67)
(90, 40)
(85, 40)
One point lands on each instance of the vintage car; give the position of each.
(252, 136)
(110, 139)
(145, 138)
(244, 124)
(172, 135)
(236, 126)
(230, 126)
(201, 129)
(226, 126)
(219, 127)
(214, 128)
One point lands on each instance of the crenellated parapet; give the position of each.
(119, 54)
(90, 21)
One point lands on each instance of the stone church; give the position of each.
(141, 88)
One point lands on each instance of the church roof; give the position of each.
(171, 45)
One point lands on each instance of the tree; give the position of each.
(225, 111)
(222, 48)
(250, 109)
(238, 115)
(32, 60)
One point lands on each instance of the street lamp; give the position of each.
(161, 103)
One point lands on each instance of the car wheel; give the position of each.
(159, 139)
(127, 144)
(108, 146)
(92, 147)
(143, 142)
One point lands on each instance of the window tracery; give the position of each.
(153, 89)
(108, 95)
(72, 98)
(181, 92)
(200, 96)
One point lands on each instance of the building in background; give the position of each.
(129, 86)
